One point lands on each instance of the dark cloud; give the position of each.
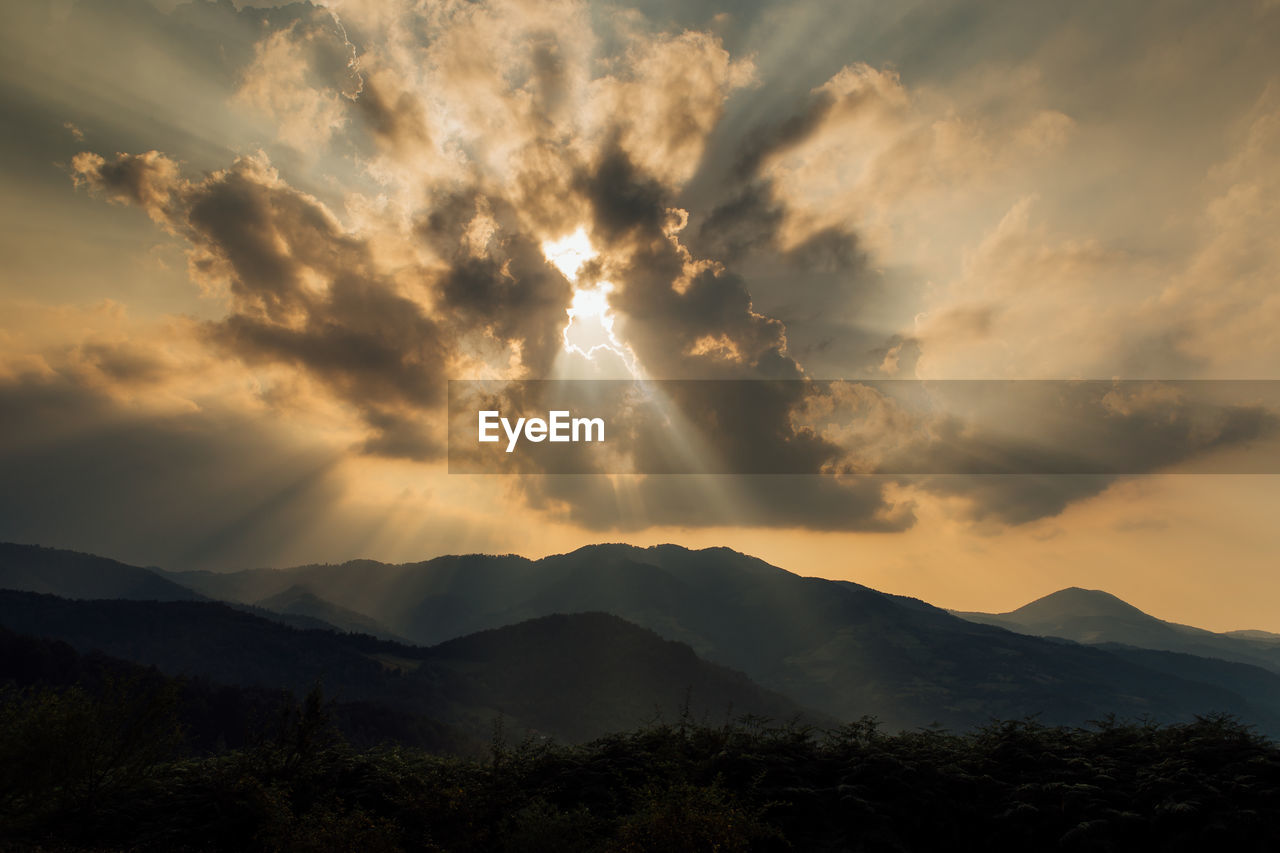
(681, 318)
(308, 294)
(780, 135)
(549, 77)
(895, 358)
(705, 328)
(828, 250)
(146, 180)
(393, 114)
(1049, 444)
(624, 200)
(819, 288)
(800, 501)
(304, 292)
(748, 221)
(505, 290)
(124, 362)
(744, 426)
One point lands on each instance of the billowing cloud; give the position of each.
(302, 291)
(375, 220)
(1225, 303)
(300, 75)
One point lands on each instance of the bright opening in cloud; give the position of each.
(592, 303)
(568, 254)
(590, 326)
(589, 329)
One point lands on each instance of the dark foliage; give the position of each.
(573, 677)
(212, 717)
(105, 769)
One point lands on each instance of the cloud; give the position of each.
(1032, 304)
(1015, 452)
(1225, 302)
(864, 148)
(397, 119)
(666, 98)
(481, 131)
(631, 503)
(302, 291)
(302, 76)
(146, 180)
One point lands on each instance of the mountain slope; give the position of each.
(297, 600)
(74, 575)
(606, 670)
(69, 574)
(213, 716)
(1093, 616)
(572, 677)
(832, 645)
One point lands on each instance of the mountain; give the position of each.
(1262, 686)
(299, 601)
(604, 668)
(69, 574)
(1249, 634)
(572, 677)
(74, 575)
(832, 645)
(840, 648)
(212, 716)
(1093, 616)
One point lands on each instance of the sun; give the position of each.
(590, 325)
(569, 254)
(589, 328)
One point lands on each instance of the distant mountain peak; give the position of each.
(1079, 601)
(1094, 616)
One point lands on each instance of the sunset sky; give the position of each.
(246, 245)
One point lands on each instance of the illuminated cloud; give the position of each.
(376, 197)
(299, 76)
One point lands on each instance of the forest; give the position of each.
(100, 754)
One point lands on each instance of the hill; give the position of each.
(569, 677)
(1093, 616)
(298, 601)
(835, 646)
(70, 574)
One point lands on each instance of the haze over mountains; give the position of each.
(833, 650)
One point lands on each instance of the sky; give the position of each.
(247, 245)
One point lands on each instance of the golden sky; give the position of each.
(246, 245)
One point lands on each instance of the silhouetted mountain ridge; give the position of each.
(834, 646)
(1095, 617)
(71, 574)
(573, 677)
